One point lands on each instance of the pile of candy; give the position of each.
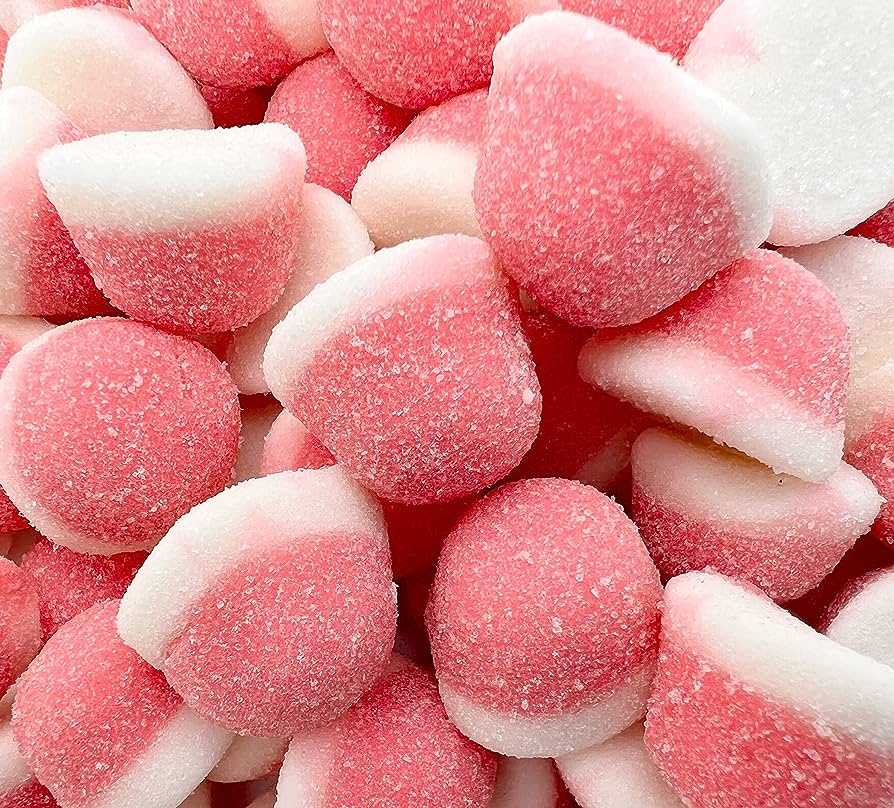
(447, 404)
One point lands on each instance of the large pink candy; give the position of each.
(20, 636)
(611, 183)
(758, 358)
(753, 708)
(110, 430)
(699, 506)
(543, 619)
(395, 747)
(101, 729)
(194, 231)
(864, 618)
(269, 607)
(410, 366)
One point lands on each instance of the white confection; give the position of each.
(525, 784)
(866, 622)
(249, 758)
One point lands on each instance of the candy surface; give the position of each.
(19, 623)
(865, 621)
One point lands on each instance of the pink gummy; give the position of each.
(879, 226)
(69, 583)
(231, 106)
(342, 126)
(290, 446)
(544, 605)
(111, 430)
(417, 54)
(604, 203)
(19, 623)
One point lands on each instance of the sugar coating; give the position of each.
(233, 106)
(19, 623)
(678, 190)
(14, 13)
(242, 43)
(269, 607)
(41, 271)
(617, 773)
(811, 75)
(289, 446)
(757, 358)
(752, 707)
(331, 236)
(193, 231)
(527, 631)
(879, 226)
(68, 583)
(421, 185)
(860, 273)
(104, 71)
(395, 747)
(865, 622)
(341, 124)
(667, 26)
(18, 788)
(101, 728)
(258, 415)
(410, 366)
(249, 758)
(699, 506)
(532, 783)
(415, 54)
(110, 430)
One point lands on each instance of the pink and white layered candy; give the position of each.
(110, 430)
(258, 415)
(102, 729)
(879, 226)
(269, 607)
(758, 358)
(415, 54)
(14, 13)
(18, 786)
(421, 185)
(104, 71)
(193, 231)
(240, 43)
(702, 507)
(410, 366)
(331, 236)
(811, 75)
(864, 620)
(249, 758)
(617, 773)
(543, 619)
(529, 783)
(41, 271)
(752, 707)
(20, 637)
(342, 126)
(395, 747)
(610, 182)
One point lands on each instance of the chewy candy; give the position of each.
(864, 618)
(19, 623)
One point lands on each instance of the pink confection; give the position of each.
(18, 787)
(421, 185)
(104, 71)
(110, 430)
(289, 446)
(194, 231)
(342, 125)
(269, 607)
(864, 617)
(752, 708)
(19, 623)
(14, 13)
(532, 783)
(879, 226)
(249, 758)
(758, 358)
(41, 272)
(395, 747)
(544, 619)
(101, 729)
(669, 25)
(69, 583)
(239, 43)
(702, 507)
(331, 236)
(259, 413)
(231, 106)
(417, 54)
(410, 366)
(611, 183)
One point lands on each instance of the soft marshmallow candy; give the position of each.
(864, 620)
(758, 358)
(342, 126)
(410, 366)
(543, 619)
(421, 185)
(20, 637)
(104, 71)
(41, 272)
(812, 74)
(751, 707)
(249, 758)
(611, 183)
(270, 607)
(879, 226)
(395, 747)
(529, 783)
(102, 729)
(110, 430)
(699, 506)
(193, 231)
